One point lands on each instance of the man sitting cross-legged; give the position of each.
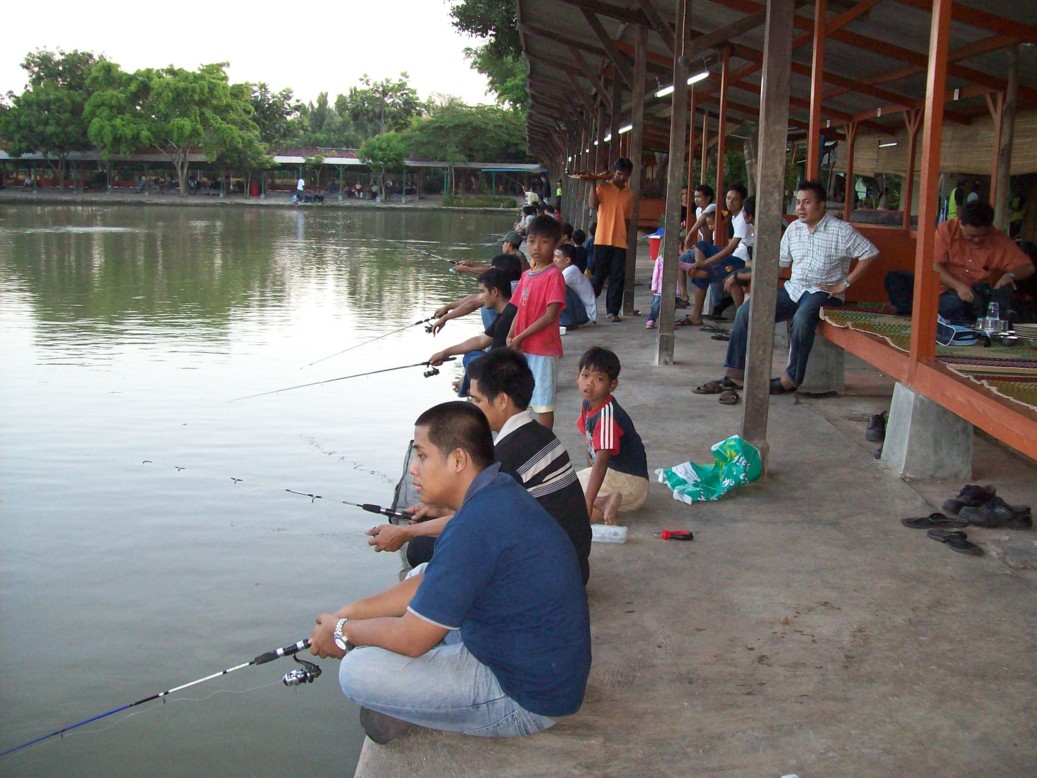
(502, 385)
(493, 637)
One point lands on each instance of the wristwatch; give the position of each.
(341, 640)
(846, 283)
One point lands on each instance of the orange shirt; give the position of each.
(972, 262)
(615, 207)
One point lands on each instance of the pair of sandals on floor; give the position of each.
(728, 389)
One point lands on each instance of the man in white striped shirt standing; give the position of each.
(820, 248)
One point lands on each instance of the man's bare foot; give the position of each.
(608, 506)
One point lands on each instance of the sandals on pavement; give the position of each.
(777, 387)
(956, 539)
(716, 387)
(934, 520)
(613, 318)
(687, 321)
(728, 397)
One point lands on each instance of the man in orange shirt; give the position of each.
(970, 253)
(615, 205)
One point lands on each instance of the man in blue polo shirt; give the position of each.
(493, 638)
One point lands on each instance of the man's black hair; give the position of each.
(579, 237)
(602, 359)
(742, 191)
(568, 250)
(495, 279)
(545, 225)
(976, 214)
(707, 190)
(813, 186)
(528, 210)
(567, 229)
(459, 425)
(509, 264)
(623, 164)
(504, 371)
(749, 206)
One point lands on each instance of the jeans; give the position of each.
(805, 315)
(657, 302)
(610, 262)
(445, 688)
(574, 313)
(900, 286)
(466, 360)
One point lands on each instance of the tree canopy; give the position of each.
(383, 152)
(500, 57)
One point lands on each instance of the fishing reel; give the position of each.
(431, 372)
(308, 673)
(428, 328)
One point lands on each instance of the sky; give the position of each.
(326, 47)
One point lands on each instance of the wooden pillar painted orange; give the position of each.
(817, 83)
(913, 121)
(849, 192)
(927, 291)
(690, 179)
(720, 231)
(705, 147)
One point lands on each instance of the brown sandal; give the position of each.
(728, 397)
(716, 387)
(687, 321)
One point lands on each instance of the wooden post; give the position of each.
(911, 119)
(848, 190)
(817, 82)
(720, 229)
(674, 178)
(617, 98)
(999, 184)
(705, 147)
(691, 149)
(770, 209)
(601, 153)
(927, 287)
(637, 119)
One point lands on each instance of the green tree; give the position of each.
(377, 107)
(276, 114)
(500, 57)
(48, 116)
(382, 153)
(173, 110)
(484, 133)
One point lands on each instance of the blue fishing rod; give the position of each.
(428, 374)
(307, 673)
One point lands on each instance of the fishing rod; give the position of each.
(428, 374)
(372, 340)
(400, 516)
(424, 251)
(308, 673)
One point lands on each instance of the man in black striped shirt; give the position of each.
(502, 386)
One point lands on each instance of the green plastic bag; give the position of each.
(735, 463)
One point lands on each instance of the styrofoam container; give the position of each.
(604, 533)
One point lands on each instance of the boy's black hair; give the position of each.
(567, 229)
(504, 371)
(495, 279)
(602, 359)
(707, 190)
(545, 225)
(749, 206)
(549, 209)
(813, 186)
(742, 191)
(509, 264)
(623, 164)
(976, 214)
(579, 236)
(459, 425)
(528, 210)
(568, 250)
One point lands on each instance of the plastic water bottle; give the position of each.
(993, 311)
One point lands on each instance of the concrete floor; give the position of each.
(804, 630)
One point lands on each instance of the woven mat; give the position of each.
(1010, 372)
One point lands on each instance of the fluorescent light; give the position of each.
(698, 77)
(595, 143)
(608, 137)
(888, 143)
(627, 128)
(665, 91)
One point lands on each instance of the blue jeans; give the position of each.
(574, 313)
(805, 315)
(657, 301)
(445, 688)
(466, 360)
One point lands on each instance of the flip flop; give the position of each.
(934, 520)
(728, 397)
(721, 336)
(777, 387)
(956, 539)
(716, 387)
(687, 321)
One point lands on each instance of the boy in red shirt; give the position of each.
(540, 298)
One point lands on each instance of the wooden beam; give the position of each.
(999, 189)
(913, 121)
(720, 224)
(637, 120)
(817, 72)
(1020, 31)
(925, 306)
(611, 51)
(551, 35)
(622, 13)
(723, 35)
(660, 25)
(770, 209)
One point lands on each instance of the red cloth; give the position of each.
(972, 262)
(535, 291)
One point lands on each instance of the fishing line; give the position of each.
(268, 656)
(366, 342)
(432, 371)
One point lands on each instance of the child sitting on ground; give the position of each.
(617, 479)
(540, 298)
(581, 306)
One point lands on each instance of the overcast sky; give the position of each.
(309, 47)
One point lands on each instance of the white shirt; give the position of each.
(583, 288)
(823, 256)
(301, 185)
(744, 232)
(711, 208)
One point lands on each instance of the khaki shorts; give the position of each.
(633, 489)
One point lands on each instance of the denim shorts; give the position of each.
(545, 373)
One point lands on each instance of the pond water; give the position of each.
(132, 558)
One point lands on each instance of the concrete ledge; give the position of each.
(925, 440)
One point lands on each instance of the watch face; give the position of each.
(340, 643)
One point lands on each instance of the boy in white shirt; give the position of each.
(581, 306)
